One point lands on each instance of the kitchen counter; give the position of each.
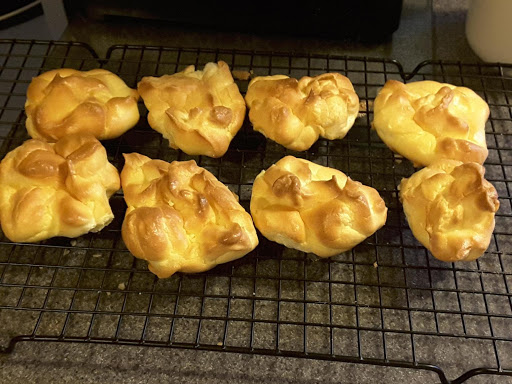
(428, 29)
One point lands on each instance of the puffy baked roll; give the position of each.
(181, 218)
(199, 112)
(450, 208)
(56, 189)
(426, 121)
(294, 113)
(313, 208)
(65, 101)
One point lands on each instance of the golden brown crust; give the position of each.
(315, 209)
(450, 208)
(199, 112)
(59, 189)
(426, 121)
(181, 218)
(65, 101)
(294, 113)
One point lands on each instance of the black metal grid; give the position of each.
(387, 302)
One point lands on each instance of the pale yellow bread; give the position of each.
(66, 101)
(294, 113)
(181, 218)
(313, 208)
(450, 208)
(426, 121)
(59, 189)
(199, 112)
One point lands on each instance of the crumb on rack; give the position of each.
(362, 109)
(73, 243)
(121, 286)
(241, 75)
(219, 343)
(375, 265)
(66, 252)
(96, 255)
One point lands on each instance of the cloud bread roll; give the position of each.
(294, 113)
(426, 121)
(181, 218)
(312, 208)
(65, 101)
(59, 189)
(199, 112)
(450, 208)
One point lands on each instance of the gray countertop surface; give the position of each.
(428, 29)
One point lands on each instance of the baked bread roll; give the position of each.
(199, 112)
(315, 209)
(65, 101)
(181, 218)
(59, 189)
(294, 113)
(425, 121)
(450, 208)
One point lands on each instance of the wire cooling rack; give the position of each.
(387, 302)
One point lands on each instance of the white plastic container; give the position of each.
(489, 29)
